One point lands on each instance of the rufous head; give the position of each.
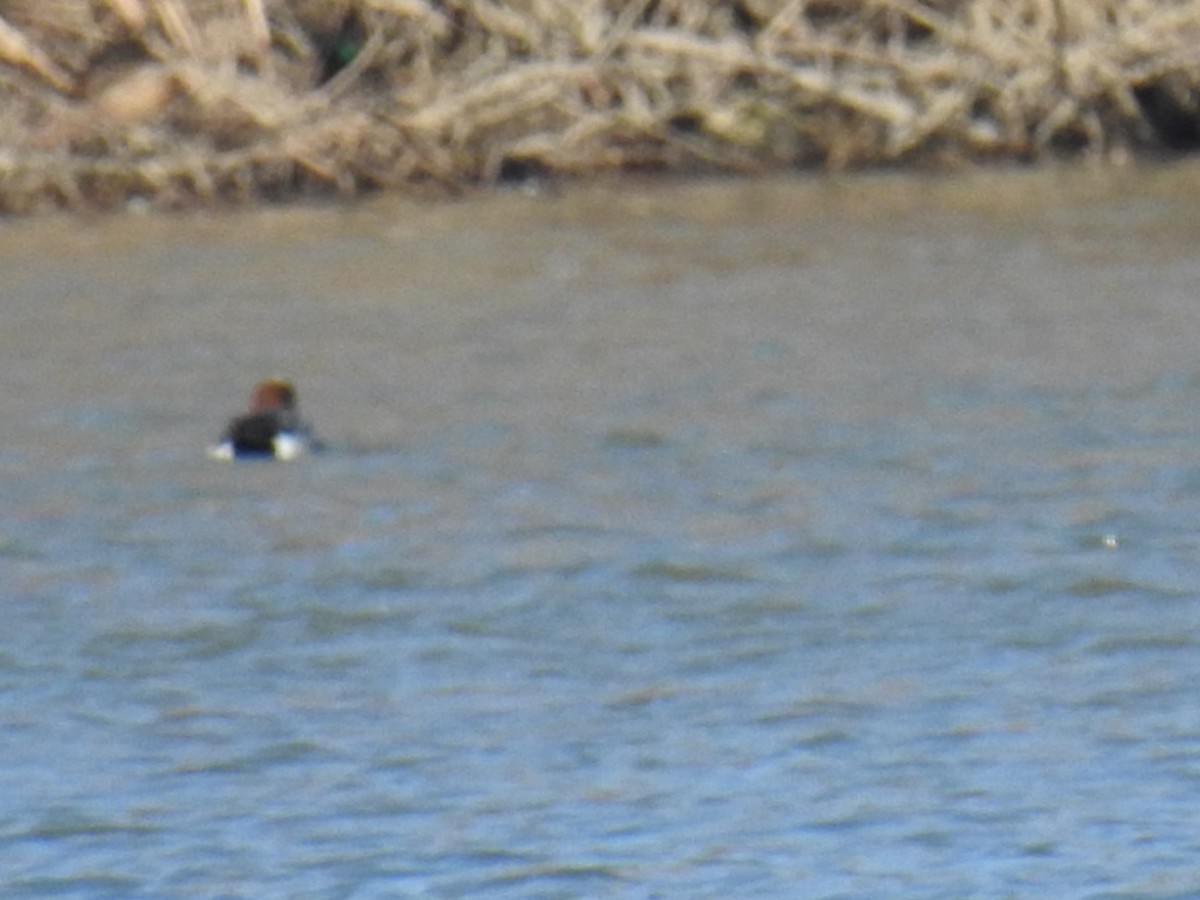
(273, 395)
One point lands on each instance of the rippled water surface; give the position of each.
(779, 539)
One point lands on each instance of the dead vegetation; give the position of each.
(183, 101)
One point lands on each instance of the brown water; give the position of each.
(783, 538)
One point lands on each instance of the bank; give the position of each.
(174, 103)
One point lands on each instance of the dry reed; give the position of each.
(179, 101)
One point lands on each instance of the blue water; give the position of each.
(788, 551)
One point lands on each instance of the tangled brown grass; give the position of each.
(179, 101)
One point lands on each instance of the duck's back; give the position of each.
(255, 434)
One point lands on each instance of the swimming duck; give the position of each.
(270, 430)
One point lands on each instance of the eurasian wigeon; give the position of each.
(272, 429)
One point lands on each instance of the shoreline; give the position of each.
(170, 105)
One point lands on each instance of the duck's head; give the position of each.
(273, 395)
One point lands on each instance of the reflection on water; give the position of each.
(768, 539)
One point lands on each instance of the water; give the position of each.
(781, 539)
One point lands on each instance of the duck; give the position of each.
(271, 429)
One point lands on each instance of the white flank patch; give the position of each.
(222, 451)
(287, 445)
